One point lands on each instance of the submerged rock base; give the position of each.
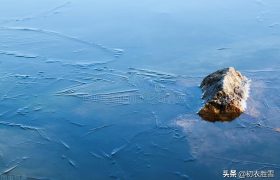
(225, 93)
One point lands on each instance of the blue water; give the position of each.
(109, 89)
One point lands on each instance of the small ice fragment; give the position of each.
(96, 155)
(116, 150)
(72, 163)
(64, 144)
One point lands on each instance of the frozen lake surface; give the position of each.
(109, 89)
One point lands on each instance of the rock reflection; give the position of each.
(223, 116)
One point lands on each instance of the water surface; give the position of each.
(109, 90)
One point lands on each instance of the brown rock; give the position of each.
(225, 93)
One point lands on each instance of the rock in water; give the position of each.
(225, 93)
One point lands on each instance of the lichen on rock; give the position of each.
(225, 93)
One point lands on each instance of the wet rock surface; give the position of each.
(225, 93)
